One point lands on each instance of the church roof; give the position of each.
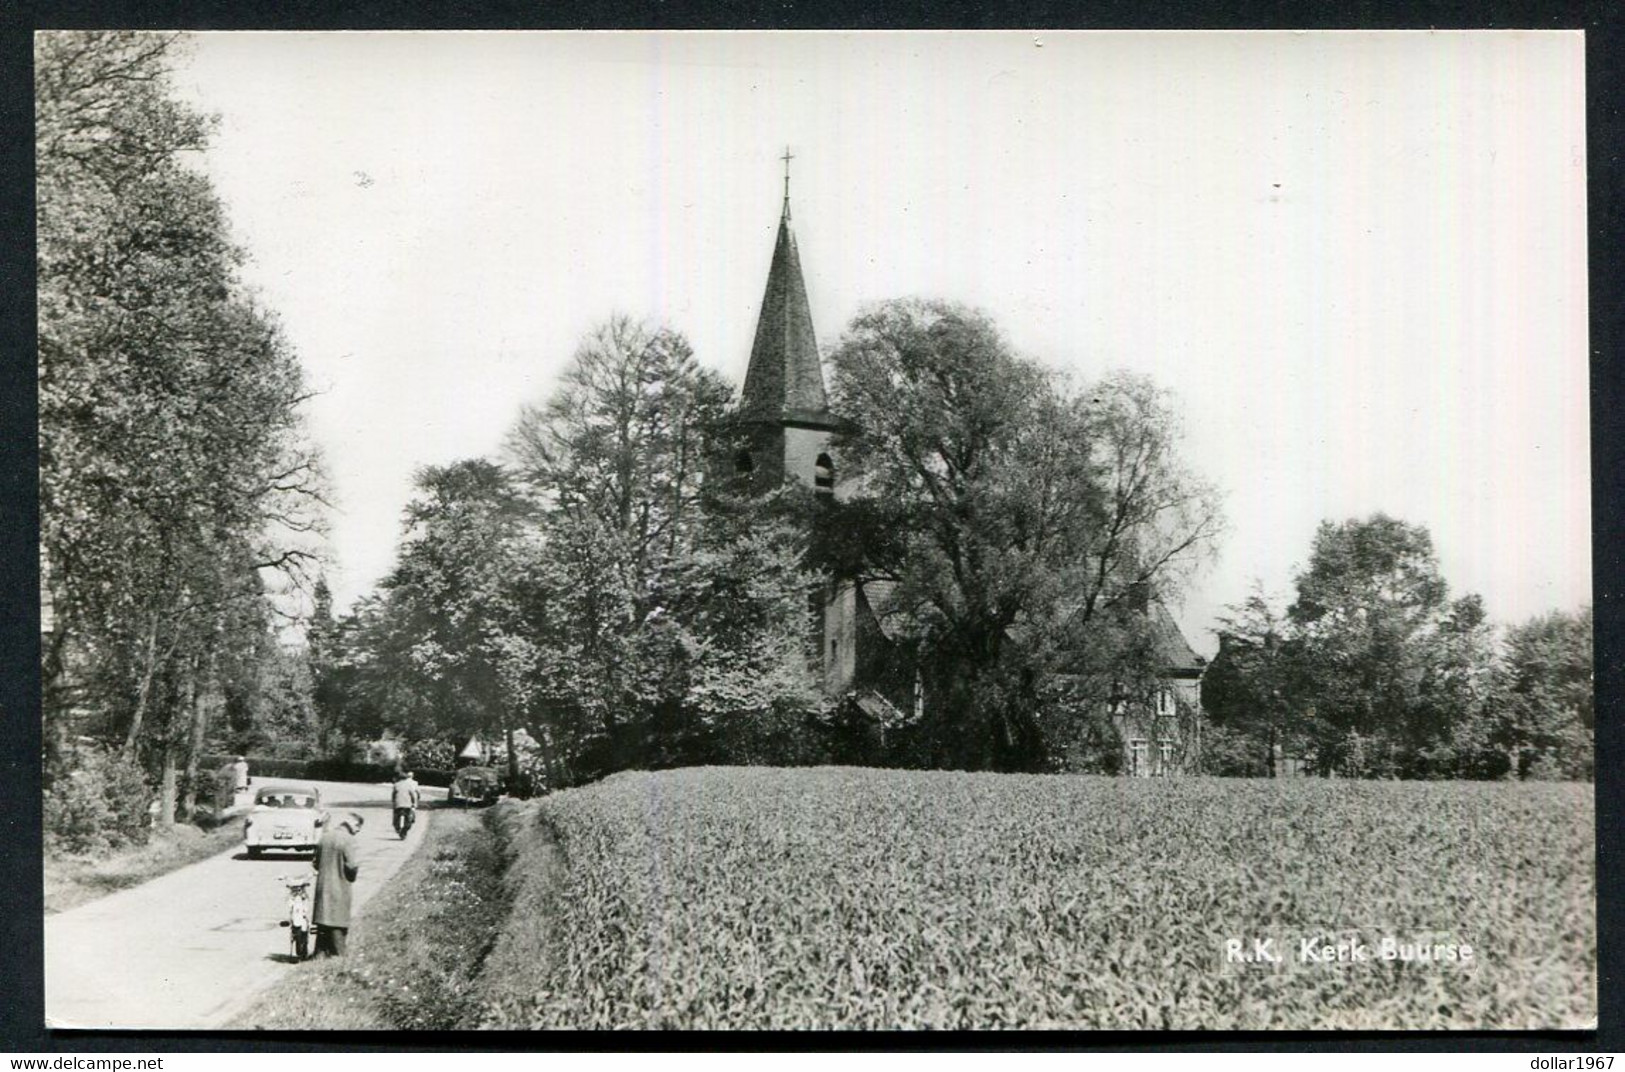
(785, 380)
(882, 599)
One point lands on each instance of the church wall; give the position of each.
(840, 638)
(801, 449)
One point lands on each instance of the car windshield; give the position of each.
(287, 800)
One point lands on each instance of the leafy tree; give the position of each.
(322, 655)
(621, 442)
(451, 620)
(1255, 686)
(175, 480)
(1457, 697)
(663, 608)
(1394, 662)
(1547, 711)
(1021, 521)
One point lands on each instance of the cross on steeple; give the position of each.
(787, 157)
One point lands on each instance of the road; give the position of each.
(192, 948)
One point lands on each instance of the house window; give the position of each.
(834, 652)
(824, 473)
(1165, 757)
(1136, 759)
(1165, 703)
(743, 462)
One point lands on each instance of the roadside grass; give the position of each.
(71, 881)
(416, 949)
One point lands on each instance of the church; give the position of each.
(788, 432)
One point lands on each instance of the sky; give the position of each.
(1356, 259)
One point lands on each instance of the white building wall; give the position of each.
(840, 653)
(801, 449)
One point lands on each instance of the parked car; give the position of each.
(284, 817)
(475, 785)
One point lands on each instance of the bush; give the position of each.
(1232, 754)
(430, 776)
(430, 755)
(314, 770)
(98, 800)
(780, 737)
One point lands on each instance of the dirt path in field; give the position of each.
(194, 947)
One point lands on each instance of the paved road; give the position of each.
(192, 948)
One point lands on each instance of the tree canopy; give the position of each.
(1376, 670)
(591, 588)
(1022, 521)
(178, 492)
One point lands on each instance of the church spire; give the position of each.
(785, 380)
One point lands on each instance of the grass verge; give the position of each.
(71, 881)
(416, 950)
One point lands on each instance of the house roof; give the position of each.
(1177, 653)
(785, 379)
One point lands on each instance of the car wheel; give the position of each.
(254, 852)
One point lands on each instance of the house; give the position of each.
(1165, 737)
(786, 431)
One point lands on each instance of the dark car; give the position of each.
(475, 785)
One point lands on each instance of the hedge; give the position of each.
(325, 770)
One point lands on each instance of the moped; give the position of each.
(298, 921)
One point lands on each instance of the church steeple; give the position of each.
(785, 381)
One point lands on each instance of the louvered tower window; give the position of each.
(824, 473)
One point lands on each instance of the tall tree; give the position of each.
(1255, 685)
(667, 608)
(1021, 521)
(1379, 633)
(451, 616)
(1547, 706)
(174, 474)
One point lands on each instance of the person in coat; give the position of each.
(337, 864)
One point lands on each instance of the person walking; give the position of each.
(239, 776)
(337, 864)
(404, 797)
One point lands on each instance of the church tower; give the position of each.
(784, 410)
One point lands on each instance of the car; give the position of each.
(475, 785)
(284, 817)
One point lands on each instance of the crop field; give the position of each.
(833, 897)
